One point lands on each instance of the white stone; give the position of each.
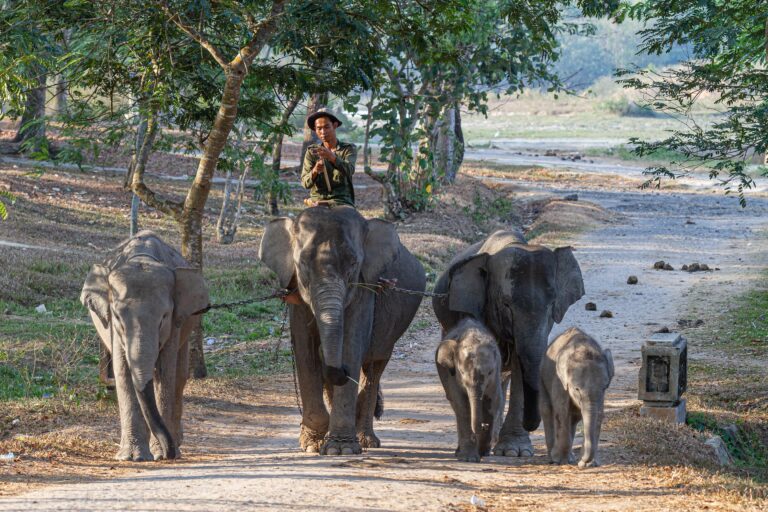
(718, 447)
(41, 308)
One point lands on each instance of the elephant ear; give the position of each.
(446, 354)
(466, 287)
(609, 363)
(95, 294)
(190, 293)
(570, 285)
(381, 248)
(276, 249)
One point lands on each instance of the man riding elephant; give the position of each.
(328, 167)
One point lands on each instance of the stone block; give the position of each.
(664, 370)
(668, 413)
(717, 445)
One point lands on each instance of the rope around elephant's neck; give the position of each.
(391, 284)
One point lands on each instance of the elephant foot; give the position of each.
(341, 445)
(158, 454)
(514, 446)
(134, 452)
(311, 441)
(588, 464)
(368, 440)
(561, 460)
(469, 454)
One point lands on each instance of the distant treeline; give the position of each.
(585, 59)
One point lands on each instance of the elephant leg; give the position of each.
(342, 432)
(467, 450)
(134, 434)
(165, 393)
(182, 374)
(514, 440)
(564, 427)
(545, 406)
(306, 344)
(366, 404)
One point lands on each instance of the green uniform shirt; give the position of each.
(340, 175)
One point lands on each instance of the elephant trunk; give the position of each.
(328, 306)
(530, 345)
(476, 411)
(592, 415)
(152, 416)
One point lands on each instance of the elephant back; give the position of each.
(146, 243)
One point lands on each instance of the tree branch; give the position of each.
(261, 33)
(150, 198)
(194, 34)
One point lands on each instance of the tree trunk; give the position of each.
(139, 158)
(135, 203)
(229, 218)
(368, 124)
(277, 153)
(316, 102)
(61, 96)
(390, 195)
(458, 151)
(32, 126)
(447, 144)
(190, 216)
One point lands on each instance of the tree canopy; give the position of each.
(728, 43)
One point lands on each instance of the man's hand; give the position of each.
(324, 152)
(317, 169)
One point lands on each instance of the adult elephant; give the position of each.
(141, 300)
(339, 324)
(518, 291)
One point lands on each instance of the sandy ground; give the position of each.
(245, 457)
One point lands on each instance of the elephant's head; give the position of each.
(321, 253)
(519, 291)
(142, 305)
(470, 354)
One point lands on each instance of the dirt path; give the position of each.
(246, 453)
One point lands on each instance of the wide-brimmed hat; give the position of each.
(323, 112)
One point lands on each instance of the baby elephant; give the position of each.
(575, 373)
(142, 299)
(469, 365)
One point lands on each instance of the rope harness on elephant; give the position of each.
(382, 285)
(391, 284)
(280, 293)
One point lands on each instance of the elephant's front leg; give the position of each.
(366, 404)
(309, 371)
(342, 434)
(514, 440)
(134, 434)
(165, 391)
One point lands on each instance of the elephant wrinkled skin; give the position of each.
(575, 373)
(141, 299)
(339, 324)
(469, 365)
(518, 291)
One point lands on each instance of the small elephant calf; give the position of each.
(575, 373)
(469, 366)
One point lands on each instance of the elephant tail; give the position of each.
(378, 412)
